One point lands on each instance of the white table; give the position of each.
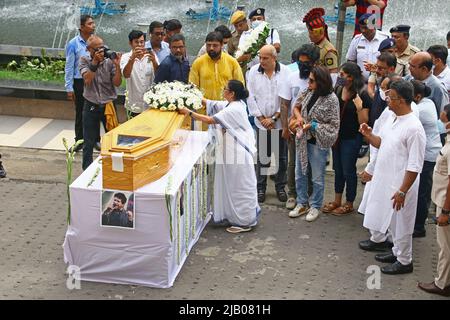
(145, 255)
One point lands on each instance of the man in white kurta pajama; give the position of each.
(395, 183)
(378, 241)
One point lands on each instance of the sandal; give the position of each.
(343, 210)
(330, 207)
(235, 229)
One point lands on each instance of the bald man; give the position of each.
(265, 81)
(421, 65)
(101, 75)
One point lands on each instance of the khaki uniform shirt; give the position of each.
(328, 55)
(440, 175)
(405, 57)
(233, 44)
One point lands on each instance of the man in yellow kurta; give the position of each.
(212, 71)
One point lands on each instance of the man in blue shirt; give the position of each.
(75, 49)
(156, 43)
(175, 67)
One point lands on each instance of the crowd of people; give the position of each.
(388, 96)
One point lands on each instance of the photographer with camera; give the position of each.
(101, 74)
(138, 68)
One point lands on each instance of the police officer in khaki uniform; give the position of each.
(403, 49)
(440, 196)
(318, 34)
(239, 21)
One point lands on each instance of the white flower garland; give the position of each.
(193, 201)
(186, 219)
(178, 224)
(254, 41)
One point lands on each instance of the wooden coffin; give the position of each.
(139, 151)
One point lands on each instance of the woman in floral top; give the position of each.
(316, 121)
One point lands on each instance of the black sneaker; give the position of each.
(282, 196)
(261, 196)
(78, 148)
(419, 234)
(2, 171)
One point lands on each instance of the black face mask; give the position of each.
(213, 54)
(304, 69)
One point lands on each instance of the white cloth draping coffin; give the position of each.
(146, 255)
(402, 149)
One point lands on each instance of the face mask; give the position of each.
(382, 95)
(256, 23)
(341, 82)
(305, 69)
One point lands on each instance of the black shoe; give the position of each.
(282, 196)
(386, 257)
(261, 196)
(78, 148)
(419, 234)
(397, 268)
(2, 171)
(369, 245)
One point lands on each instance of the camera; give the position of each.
(148, 49)
(109, 54)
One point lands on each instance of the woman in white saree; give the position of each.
(235, 197)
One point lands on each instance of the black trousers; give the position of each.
(93, 114)
(78, 88)
(424, 197)
(268, 142)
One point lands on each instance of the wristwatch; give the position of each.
(445, 212)
(274, 118)
(401, 193)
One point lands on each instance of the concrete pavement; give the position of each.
(282, 258)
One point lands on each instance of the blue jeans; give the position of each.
(345, 155)
(317, 158)
(92, 115)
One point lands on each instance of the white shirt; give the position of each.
(264, 93)
(139, 82)
(273, 38)
(361, 50)
(444, 77)
(291, 89)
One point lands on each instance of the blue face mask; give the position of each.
(256, 23)
(341, 82)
